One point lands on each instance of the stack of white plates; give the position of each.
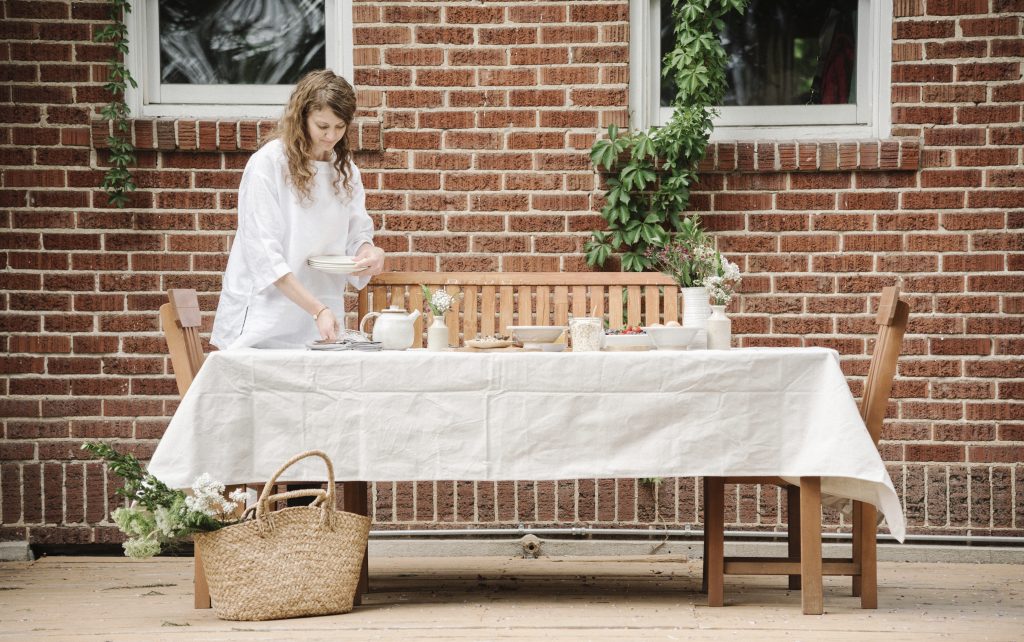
(333, 264)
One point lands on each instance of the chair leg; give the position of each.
(707, 538)
(714, 533)
(857, 548)
(793, 536)
(201, 589)
(868, 530)
(811, 593)
(354, 497)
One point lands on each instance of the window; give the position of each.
(797, 68)
(231, 58)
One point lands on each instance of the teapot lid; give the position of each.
(394, 308)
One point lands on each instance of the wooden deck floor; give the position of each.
(110, 598)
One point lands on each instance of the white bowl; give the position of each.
(536, 333)
(544, 347)
(614, 342)
(670, 337)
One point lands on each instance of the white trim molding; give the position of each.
(869, 118)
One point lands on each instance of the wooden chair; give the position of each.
(487, 303)
(803, 541)
(181, 320)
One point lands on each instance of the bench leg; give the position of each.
(811, 592)
(354, 498)
(714, 536)
(793, 536)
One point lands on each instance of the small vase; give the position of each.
(696, 311)
(437, 335)
(719, 329)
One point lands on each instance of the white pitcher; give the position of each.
(394, 327)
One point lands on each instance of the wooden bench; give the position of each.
(486, 303)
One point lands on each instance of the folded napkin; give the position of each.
(347, 340)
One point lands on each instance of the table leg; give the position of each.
(354, 499)
(857, 549)
(811, 593)
(714, 528)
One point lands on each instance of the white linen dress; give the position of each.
(277, 232)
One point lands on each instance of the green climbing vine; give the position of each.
(652, 171)
(117, 182)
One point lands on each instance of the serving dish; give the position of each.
(670, 337)
(626, 342)
(536, 333)
(487, 344)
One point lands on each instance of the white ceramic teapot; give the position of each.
(394, 327)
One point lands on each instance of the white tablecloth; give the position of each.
(419, 415)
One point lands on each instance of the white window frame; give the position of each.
(869, 118)
(153, 100)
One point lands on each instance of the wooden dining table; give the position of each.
(417, 415)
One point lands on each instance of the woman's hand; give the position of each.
(369, 260)
(327, 324)
(323, 316)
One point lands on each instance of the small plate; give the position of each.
(333, 264)
(331, 259)
(480, 344)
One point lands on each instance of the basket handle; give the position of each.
(318, 495)
(327, 498)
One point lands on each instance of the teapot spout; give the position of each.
(415, 314)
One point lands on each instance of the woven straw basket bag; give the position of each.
(289, 563)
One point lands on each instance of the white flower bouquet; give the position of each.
(439, 301)
(722, 284)
(158, 516)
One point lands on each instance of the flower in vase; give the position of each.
(722, 284)
(439, 301)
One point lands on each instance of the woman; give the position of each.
(300, 196)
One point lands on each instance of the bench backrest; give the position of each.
(486, 303)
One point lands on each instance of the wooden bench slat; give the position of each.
(543, 306)
(525, 278)
(652, 305)
(416, 302)
(670, 298)
(487, 309)
(524, 315)
(561, 305)
(506, 308)
(454, 315)
(633, 307)
(469, 315)
(615, 307)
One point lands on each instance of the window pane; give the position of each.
(260, 42)
(784, 52)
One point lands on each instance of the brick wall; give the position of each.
(475, 124)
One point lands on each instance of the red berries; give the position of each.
(629, 329)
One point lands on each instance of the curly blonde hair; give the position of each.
(316, 90)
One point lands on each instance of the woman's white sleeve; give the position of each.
(360, 225)
(261, 229)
